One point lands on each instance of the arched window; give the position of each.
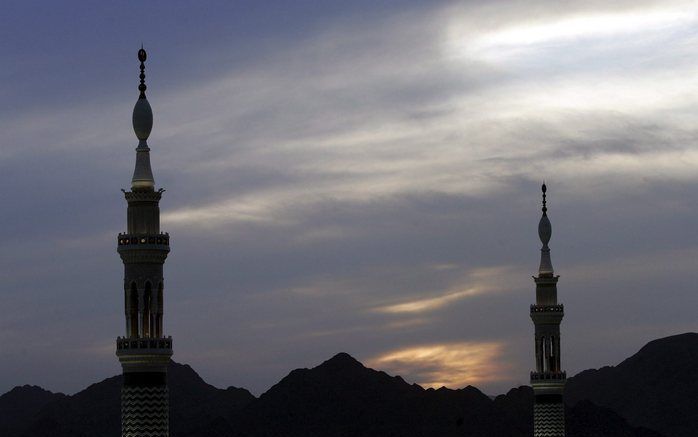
(133, 311)
(552, 365)
(147, 305)
(161, 310)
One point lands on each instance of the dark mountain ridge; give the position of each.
(656, 388)
(341, 397)
(19, 406)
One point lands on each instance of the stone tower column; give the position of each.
(144, 352)
(548, 380)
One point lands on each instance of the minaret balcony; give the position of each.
(143, 248)
(547, 314)
(548, 383)
(144, 354)
(143, 195)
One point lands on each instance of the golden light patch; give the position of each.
(453, 365)
(428, 304)
(477, 281)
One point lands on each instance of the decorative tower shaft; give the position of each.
(548, 380)
(144, 352)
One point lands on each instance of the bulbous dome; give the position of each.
(142, 119)
(545, 229)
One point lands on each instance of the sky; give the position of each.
(358, 177)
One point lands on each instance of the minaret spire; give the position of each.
(142, 125)
(545, 231)
(548, 380)
(544, 189)
(142, 56)
(144, 351)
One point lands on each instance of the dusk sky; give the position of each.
(355, 176)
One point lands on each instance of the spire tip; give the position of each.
(142, 56)
(544, 189)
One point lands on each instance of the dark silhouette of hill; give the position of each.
(96, 410)
(589, 420)
(656, 388)
(19, 406)
(340, 397)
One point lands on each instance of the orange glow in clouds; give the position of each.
(453, 365)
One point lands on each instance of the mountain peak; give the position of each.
(342, 361)
(28, 389)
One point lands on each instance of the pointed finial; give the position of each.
(142, 56)
(142, 125)
(545, 208)
(142, 114)
(545, 231)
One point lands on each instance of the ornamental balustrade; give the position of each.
(162, 238)
(126, 343)
(547, 308)
(548, 376)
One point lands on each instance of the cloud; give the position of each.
(578, 29)
(453, 365)
(429, 304)
(366, 127)
(478, 281)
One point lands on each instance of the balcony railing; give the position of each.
(547, 308)
(548, 376)
(134, 239)
(125, 343)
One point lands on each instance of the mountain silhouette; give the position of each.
(656, 388)
(19, 406)
(97, 410)
(341, 397)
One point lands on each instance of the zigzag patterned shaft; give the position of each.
(145, 412)
(548, 420)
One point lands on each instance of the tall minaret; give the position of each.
(144, 352)
(548, 380)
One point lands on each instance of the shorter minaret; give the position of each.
(548, 380)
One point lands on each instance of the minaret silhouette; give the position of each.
(548, 380)
(144, 352)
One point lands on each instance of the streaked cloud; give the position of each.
(580, 28)
(410, 136)
(453, 365)
(477, 281)
(428, 304)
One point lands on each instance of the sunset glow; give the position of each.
(453, 365)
